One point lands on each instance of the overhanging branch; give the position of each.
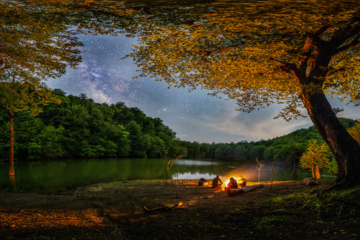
(290, 68)
(312, 41)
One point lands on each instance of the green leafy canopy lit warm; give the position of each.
(242, 49)
(315, 155)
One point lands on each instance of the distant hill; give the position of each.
(287, 148)
(305, 134)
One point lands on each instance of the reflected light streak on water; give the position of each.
(189, 175)
(194, 162)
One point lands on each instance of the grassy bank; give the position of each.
(289, 210)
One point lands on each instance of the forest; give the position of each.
(78, 127)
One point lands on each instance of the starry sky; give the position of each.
(194, 116)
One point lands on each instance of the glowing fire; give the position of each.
(241, 181)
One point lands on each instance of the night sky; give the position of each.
(194, 116)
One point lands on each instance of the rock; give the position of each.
(310, 181)
(202, 182)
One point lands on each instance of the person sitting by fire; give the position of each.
(242, 181)
(232, 184)
(216, 183)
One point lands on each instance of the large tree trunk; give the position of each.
(345, 149)
(12, 146)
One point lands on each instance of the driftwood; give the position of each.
(162, 209)
(237, 191)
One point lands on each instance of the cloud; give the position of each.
(255, 126)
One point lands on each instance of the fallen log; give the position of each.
(236, 191)
(161, 209)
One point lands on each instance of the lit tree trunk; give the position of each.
(12, 182)
(12, 144)
(317, 172)
(312, 171)
(312, 168)
(345, 149)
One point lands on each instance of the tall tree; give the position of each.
(294, 53)
(34, 46)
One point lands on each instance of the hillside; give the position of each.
(81, 128)
(287, 148)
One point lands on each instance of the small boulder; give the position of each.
(310, 181)
(202, 182)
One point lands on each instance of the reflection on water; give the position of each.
(195, 162)
(57, 176)
(182, 176)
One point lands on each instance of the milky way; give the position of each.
(195, 116)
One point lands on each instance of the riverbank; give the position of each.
(289, 210)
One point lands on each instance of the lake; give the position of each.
(63, 175)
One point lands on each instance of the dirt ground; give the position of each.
(114, 211)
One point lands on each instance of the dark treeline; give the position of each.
(287, 149)
(81, 128)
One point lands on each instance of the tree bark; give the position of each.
(317, 172)
(345, 149)
(12, 145)
(312, 171)
(12, 183)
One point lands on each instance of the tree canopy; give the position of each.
(253, 51)
(35, 45)
(242, 50)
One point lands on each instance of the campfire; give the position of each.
(237, 185)
(233, 183)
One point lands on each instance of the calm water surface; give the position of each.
(55, 176)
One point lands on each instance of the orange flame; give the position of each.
(240, 180)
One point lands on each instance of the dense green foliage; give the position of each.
(81, 128)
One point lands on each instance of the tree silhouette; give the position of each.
(34, 46)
